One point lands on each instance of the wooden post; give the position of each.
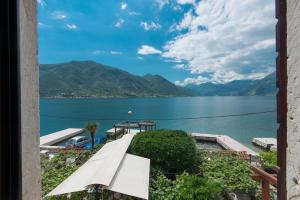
(265, 190)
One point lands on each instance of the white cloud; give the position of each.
(119, 23)
(193, 81)
(42, 3)
(176, 7)
(179, 66)
(133, 13)
(71, 26)
(147, 26)
(42, 25)
(222, 78)
(161, 3)
(116, 52)
(182, 2)
(230, 40)
(59, 15)
(123, 6)
(146, 50)
(97, 52)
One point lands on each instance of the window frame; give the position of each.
(10, 115)
(10, 99)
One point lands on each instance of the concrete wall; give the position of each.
(293, 119)
(29, 101)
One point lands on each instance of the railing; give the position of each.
(266, 180)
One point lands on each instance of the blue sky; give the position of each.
(186, 41)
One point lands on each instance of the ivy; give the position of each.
(56, 170)
(231, 172)
(185, 187)
(268, 159)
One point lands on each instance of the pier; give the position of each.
(266, 143)
(225, 142)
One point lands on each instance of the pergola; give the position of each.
(141, 126)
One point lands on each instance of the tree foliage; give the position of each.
(92, 127)
(170, 151)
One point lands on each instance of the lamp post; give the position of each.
(129, 114)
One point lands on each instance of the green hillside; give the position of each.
(79, 79)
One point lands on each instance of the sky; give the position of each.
(186, 41)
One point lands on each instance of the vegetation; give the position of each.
(170, 151)
(92, 127)
(185, 187)
(268, 159)
(56, 170)
(233, 173)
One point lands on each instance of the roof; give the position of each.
(113, 169)
(59, 136)
(112, 130)
(127, 125)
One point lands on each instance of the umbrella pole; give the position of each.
(97, 196)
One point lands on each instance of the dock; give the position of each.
(48, 141)
(225, 142)
(115, 133)
(265, 143)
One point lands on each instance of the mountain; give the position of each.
(262, 87)
(90, 79)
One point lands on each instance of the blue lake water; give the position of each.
(58, 114)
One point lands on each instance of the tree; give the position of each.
(92, 127)
(169, 150)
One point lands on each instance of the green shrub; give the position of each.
(170, 151)
(268, 159)
(185, 187)
(233, 173)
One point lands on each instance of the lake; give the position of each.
(58, 114)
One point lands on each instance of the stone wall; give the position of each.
(29, 74)
(293, 95)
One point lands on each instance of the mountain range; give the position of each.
(261, 87)
(88, 79)
(92, 80)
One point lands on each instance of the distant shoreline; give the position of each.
(134, 97)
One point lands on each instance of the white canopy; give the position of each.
(133, 177)
(113, 169)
